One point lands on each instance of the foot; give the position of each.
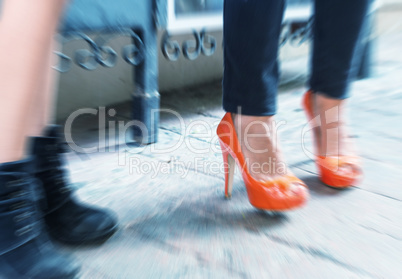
(68, 220)
(258, 137)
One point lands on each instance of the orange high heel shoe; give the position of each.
(328, 166)
(278, 194)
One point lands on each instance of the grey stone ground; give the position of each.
(180, 226)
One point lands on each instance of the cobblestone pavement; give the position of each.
(175, 223)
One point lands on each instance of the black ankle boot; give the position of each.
(25, 249)
(67, 220)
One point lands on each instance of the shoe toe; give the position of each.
(77, 223)
(96, 220)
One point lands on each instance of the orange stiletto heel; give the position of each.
(279, 194)
(328, 166)
(229, 165)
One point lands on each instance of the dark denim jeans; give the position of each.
(251, 37)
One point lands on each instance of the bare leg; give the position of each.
(26, 32)
(333, 138)
(43, 106)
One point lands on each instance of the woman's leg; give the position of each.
(250, 83)
(43, 106)
(26, 31)
(337, 28)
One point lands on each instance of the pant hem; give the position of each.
(248, 111)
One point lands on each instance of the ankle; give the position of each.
(332, 131)
(249, 125)
(241, 118)
(323, 103)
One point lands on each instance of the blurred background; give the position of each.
(79, 88)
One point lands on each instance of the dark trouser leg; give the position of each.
(337, 27)
(251, 38)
